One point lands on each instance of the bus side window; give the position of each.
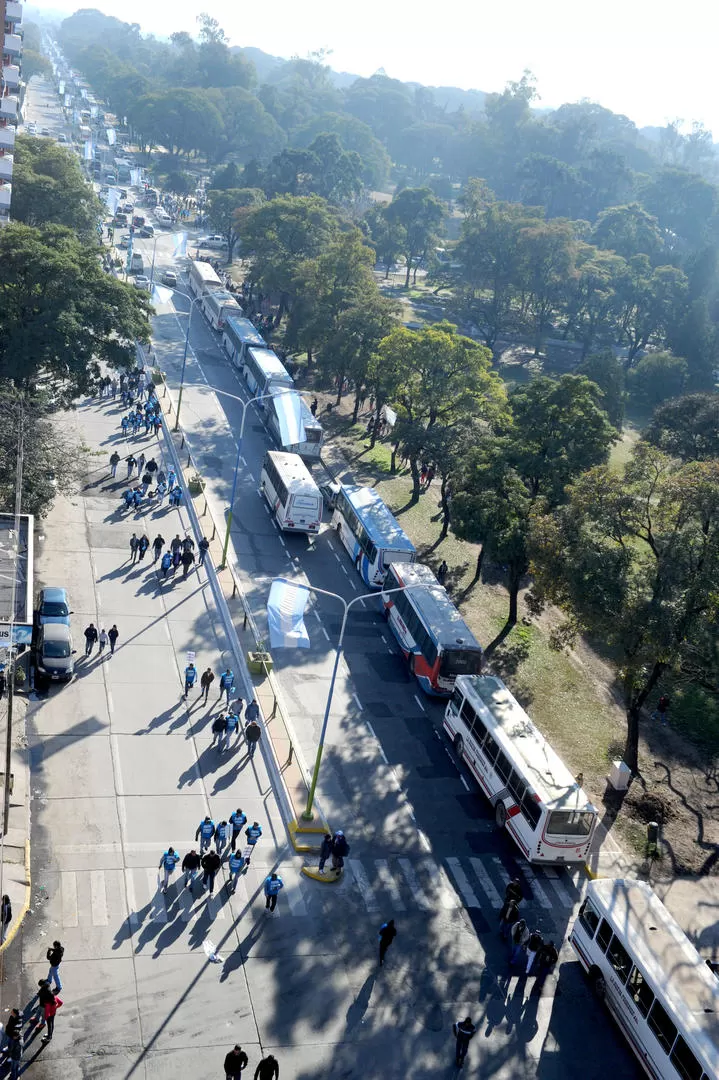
(457, 698)
(640, 993)
(588, 918)
(684, 1061)
(619, 959)
(490, 749)
(480, 732)
(502, 767)
(663, 1028)
(604, 936)
(531, 810)
(468, 715)
(517, 786)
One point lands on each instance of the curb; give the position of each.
(296, 827)
(26, 906)
(326, 879)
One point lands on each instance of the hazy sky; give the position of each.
(652, 60)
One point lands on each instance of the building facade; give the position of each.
(11, 47)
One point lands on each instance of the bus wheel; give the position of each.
(598, 984)
(500, 815)
(459, 746)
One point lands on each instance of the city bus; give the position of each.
(292, 494)
(435, 639)
(293, 427)
(238, 335)
(219, 305)
(534, 795)
(370, 533)
(202, 278)
(264, 373)
(642, 965)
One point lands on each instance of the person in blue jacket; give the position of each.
(273, 884)
(166, 563)
(190, 676)
(237, 821)
(232, 727)
(205, 832)
(227, 683)
(168, 862)
(235, 864)
(253, 834)
(222, 836)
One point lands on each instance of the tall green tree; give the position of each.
(354, 341)
(548, 254)
(222, 210)
(49, 188)
(648, 302)
(419, 212)
(687, 427)
(634, 560)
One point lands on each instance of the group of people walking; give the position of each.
(224, 836)
(102, 638)
(527, 948)
(19, 1027)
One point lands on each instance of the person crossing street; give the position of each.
(237, 820)
(211, 863)
(168, 863)
(235, 865)
(206, 680)
(205, 833)
(190, 676)
(190, 866)
(464, 1031)
(273, 884)
(387, 934)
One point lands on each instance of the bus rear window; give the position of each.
(460, 662)
(305, 502)
(569, 823)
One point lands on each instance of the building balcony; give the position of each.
(7, 137)
(12, 44)
(9, 106)
(5, 196)
(6, 164)
(13, 11)
(11, 75)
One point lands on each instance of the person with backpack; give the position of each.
(190, 676)
(54, 958)
(168, 863)
(464, 1032)
(340, 851)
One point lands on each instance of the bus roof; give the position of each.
(524, 744)
(204, 272)
(666, 956)
(380, 524)
(435, 608)
(222, 297)
(270, 365)
(291, 468)
(244, 332)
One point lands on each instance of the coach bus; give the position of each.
(292, 425)
(265, 373)
(239, 335)
(435, 639)
(370, 533)
(292, 494)
(219, 305)
(202, 278)
(645, 969)
(535, 797)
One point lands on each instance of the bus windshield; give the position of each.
(460, 662)
(569, 823)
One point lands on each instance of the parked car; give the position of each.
(124, 241)
(329, 493)
(32, 128)
(169, 278)
(212, 241)
(142, 281)
(62, 138)
(45, 131)
(53, 606)
(54, 654)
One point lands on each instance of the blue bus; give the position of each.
(238, 336)
(370, 533)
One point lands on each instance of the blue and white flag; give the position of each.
(161, 295)
(88, 152)
(285, 615)
(111, 136)
(180, 240)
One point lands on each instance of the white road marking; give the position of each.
(468, 894)
(559, 888)
(354, 587)
(283, 542)
(68, 889)
(423, 839)
(325, 632)
(337, 557)
(387, 882)
(316, 614)
(293, 893)
(383, 638)
(501, 872)
(344, 569)
(446, 896)
(537, 889)
(486, 882)
(110, 704)
(363, 884)
(415, 887)
(419, 702)
(357, 702)
(251, 476)
(98, 898)
(463, 779)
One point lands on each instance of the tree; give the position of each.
(61, 316)
(210, 30)
(655, 378)
(357, 333)
(687, 427)
(420, 213)
(548, 253)
(604, 369)
(222, 210)
(323, 169)
(634, 560)
(48, 187)
(591, 295)
(34, 63)
(629, 230)
(387, 237)
(553, 185)
(249, 131)
(354, 135)
(179, 182)
(648, 302)
(684, 205)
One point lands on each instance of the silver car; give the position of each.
(54, 656)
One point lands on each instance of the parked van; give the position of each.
(137, 265)
(54, 653)
(121, 219)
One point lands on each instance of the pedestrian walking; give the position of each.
(546, 960)
(130, 464)
(114, 462)
(268, 1069)
(508, 915)
(190, 676)
(252, 835)
(112, 636)
(205, 832)
(124, 424)
(206, 680)
(141, 464)
(142, 546)
(168, 862)
(157, 545)
(161, 491)
(134, 544)
(237, 820)
(232, 727)
(166, 564)
(175, 543)
(518, 937)
(190, 866)
(152, 467)
(514, 891)
(171, 477)
(222, 837)
(5, 916)
(464, 1031)
(340, 851)
(54, 958)
(442, 572)
(235, 864)
(50, 1004)
(227, 681)
(273, 884)
(253, 734)
(235, 1062)
(204, 547)
(188, 544)
(102, 641)
(211, 863)
(534, 944)
(325, 851)
(90, 638)
(387, 934)
(218, 731)
(176, 496)
(187, 559)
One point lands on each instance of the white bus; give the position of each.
(219, 305)
(535, 797)
(292, 494)
(293, 427)
(656, 985)
(264, 373)
(370, 533)
(202, 278)
(239, 335)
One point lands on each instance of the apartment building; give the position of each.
(11, 52)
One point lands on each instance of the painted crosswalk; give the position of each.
(104, 898)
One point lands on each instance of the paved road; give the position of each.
(121, 767)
